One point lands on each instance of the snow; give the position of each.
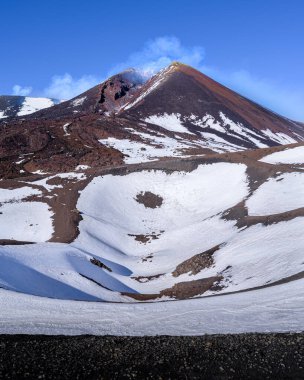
(53, 270)
(82, 167)
(69, 176)
(65, 129)
(187, 222)
(15, 195)
(207, 121)
(279, 137)
(40, 172)
(26, 221)
(190, 224)
(224, 125)
(228, 127)
(2, 115)
(171, 122)
(260, 255)
(214, 135)
(277, 195)
(240, 130)
(182, 223)
(218, 144)
(150, 148)
(288, 156)
(273, 309)
(78, 101)
(31, 105)
(20, 161)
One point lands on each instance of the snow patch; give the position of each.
(171, 122)
(78, 102)
(31, 105)
(279, 137)
(149, 149)
(26, 221)
(288, 156)
(15, 195)
(82, 167)
(277, 195)
(65, 129)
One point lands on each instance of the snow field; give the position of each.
(31, 105)
(288, 156)
(277, 195)
(135, 239)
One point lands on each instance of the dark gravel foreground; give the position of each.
(245, 356)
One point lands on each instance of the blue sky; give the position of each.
(60, 48)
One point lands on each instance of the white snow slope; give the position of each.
(140, 246)
(273, 309)
(188, 218)
(277, 195)
(21, 106)
(289, 156)
(214, 134)
(22, 219)
(31, 105)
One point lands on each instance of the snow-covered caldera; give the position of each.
(206, 228)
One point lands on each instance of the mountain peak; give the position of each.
(181, 99)
(196, 104)
(179, 65)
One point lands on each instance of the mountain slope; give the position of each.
(14, 106)
(177, 113)
(106, 97)
(182, 99)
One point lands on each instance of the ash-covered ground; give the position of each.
(244, 356)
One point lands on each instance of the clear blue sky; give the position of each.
(253, 46)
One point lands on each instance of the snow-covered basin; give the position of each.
(182, 224)
(188, 219)
(111, 222)
(257, 256)
(288, 156)
(273, 309)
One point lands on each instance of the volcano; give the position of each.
(151, 190)
(179, 112)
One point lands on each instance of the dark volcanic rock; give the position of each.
(106, 97)
(247, 356)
